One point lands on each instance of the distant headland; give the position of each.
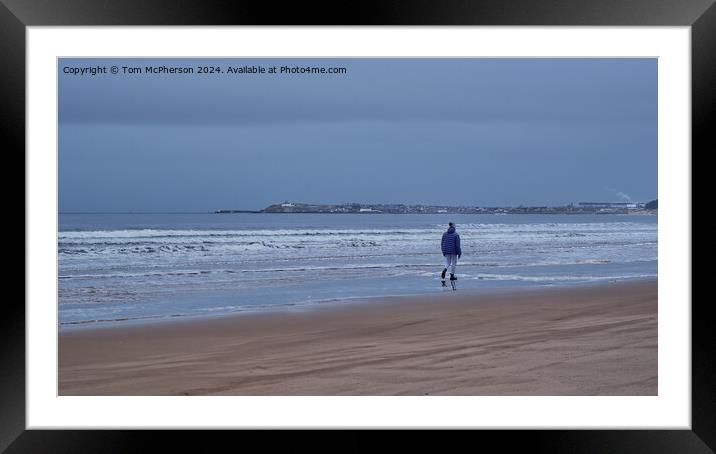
(368, 208)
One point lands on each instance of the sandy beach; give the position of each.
(581, 340)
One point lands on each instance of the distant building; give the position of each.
(599, 205)
(287, 205)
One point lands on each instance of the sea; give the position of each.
(119, 268)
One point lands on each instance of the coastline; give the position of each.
(336, 303)
(572, 340)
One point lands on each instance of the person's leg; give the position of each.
(448, 259)
(452, 261)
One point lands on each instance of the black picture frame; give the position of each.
(16, 15)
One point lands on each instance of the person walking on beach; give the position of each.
(450, 245)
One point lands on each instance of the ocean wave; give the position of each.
(557, 278)
(155, 233)
(174, 272)
(541, 228)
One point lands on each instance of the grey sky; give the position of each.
(443, 131)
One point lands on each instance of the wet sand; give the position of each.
(581, 340)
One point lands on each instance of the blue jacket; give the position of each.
(450, 243)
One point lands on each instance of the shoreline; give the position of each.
(572, 340)
(326, 304)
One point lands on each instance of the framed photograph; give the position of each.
(424, 217)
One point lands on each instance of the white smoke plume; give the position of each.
(619, 194)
